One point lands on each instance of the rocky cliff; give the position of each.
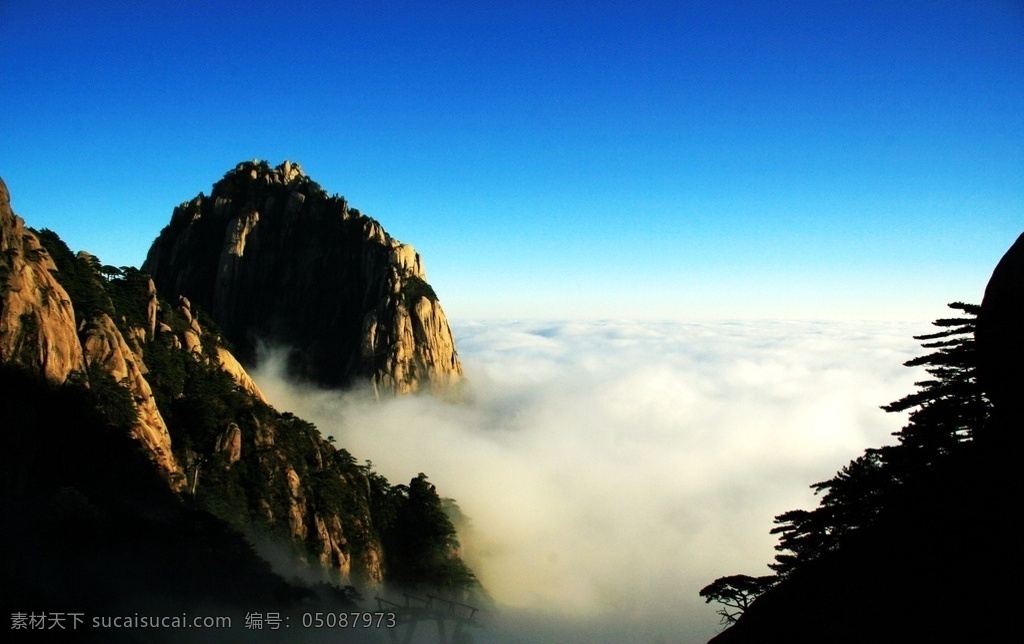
(161, 376)
(275, 260)
(39, 331)
(37, 320)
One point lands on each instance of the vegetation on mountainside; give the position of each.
(946, 412)
(79, 277)
(95, 289)
(87, 524)
(870, 499)
(422, 542)
(201, 404)
(413, 288)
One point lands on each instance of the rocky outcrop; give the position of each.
(229, 444)
(40, 332)
(277, 261)
(156, 378)
(37, 320)
(105, 348)
(229, 364)
(190, 339)
(415, 342)
(341, 542)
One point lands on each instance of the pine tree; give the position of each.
(946, 414)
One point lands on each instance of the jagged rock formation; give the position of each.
(157, 381)
(309, 492)
(86, 521)
(108, 352)
(37, 321)
(39, 331)
(275, 260)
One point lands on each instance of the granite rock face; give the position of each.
(37, 320)
(40, 331)
(161, 378)
(277, 261)
(106, 349)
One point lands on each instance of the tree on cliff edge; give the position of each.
(734, 593)
(945, 414)
(904, 518)
(425, 546)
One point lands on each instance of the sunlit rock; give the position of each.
(276, 261)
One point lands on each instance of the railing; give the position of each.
(440, 610)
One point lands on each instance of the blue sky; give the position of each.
(602, 159)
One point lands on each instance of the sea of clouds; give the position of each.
(612, 469)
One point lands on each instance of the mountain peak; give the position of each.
(276, 261)
(287, 173)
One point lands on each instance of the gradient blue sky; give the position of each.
(603, 159)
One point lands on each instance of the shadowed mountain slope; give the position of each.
(914, 541)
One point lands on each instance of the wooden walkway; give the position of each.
(432, 608)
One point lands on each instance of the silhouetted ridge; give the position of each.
(1001, 349)
(906, 535)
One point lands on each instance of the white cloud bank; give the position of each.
(612, 469)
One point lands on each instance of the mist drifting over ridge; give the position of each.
(611, 469)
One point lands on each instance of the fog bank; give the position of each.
(612, 469)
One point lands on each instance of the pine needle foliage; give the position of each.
(945, 414)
